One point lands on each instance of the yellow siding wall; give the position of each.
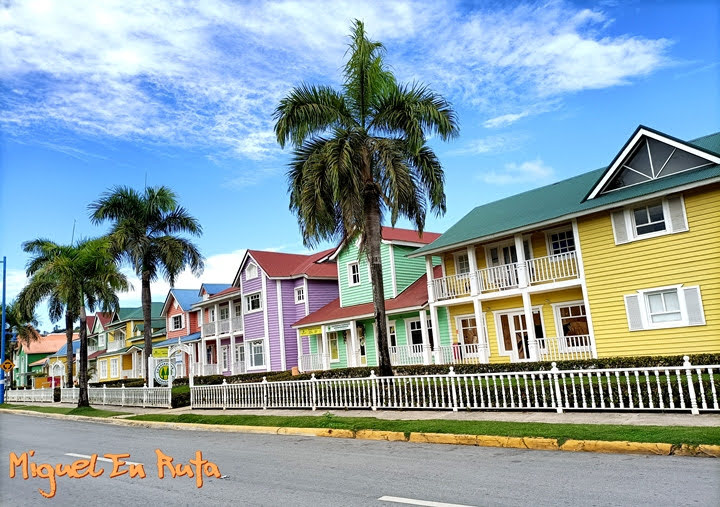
(689, 258)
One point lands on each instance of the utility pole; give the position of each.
(2, 329)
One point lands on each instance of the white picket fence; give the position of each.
(123, 396)
(680, 388)
(44, 395)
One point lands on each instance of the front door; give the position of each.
(469, 341)
(515, 339)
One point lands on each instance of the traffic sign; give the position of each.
(7, 366)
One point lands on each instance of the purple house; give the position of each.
(248, 327)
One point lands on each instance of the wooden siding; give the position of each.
(688, 258)
(408, 270)
(362, 293)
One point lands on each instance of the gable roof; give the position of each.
(213, 288)
(184, 297)
(90, 322)
(413, 297)
(561, 200)
(125, 314)
(62, 351)
(396, 235)
(47, 344)
(104, 317)
(286, 265)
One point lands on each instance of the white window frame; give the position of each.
(559, 333)
(103, 368)
(509, 243)
(102, 340)
(350, 276)
(227, 309)
(645, 307)
(392, 332)
(114, 367)
(239, 348)
(248, 299)
(408, 331)
(250, 356)
(299, 295)
(633, 225)
(558, 230)
(238, 309)
(251, 272)
(456, 257)
(498, 329)
(333, 337)
(628, 219)
(172, 321)
(225, 357)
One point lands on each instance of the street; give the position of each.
(290, 470)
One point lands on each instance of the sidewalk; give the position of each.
(620, 418)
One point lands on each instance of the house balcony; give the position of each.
(222, 327)
(116, 345)
(517, 275)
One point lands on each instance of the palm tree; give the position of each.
(77, 277)
(144, 231)
(22, 325)
(361, 153)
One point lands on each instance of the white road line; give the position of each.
(99, 458)
(412, 501)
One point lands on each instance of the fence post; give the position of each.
(122, 394)
(224, 393)
(691, 388)
(373, 384)
(558, 395)
(451, 374)
(313, 381)
(265, 393)
(145, 388)
(104, 393)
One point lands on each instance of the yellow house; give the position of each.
(621, 261)
(123, 358)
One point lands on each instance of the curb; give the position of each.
(534, 443)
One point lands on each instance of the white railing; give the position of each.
(239, 368)
(116, 345)
(237, 324)
(34, 395)
(127, 373)
(311, 362)
(208, 329)
(210, 369)
(553, 268)
(565, 347)
(123, 396)
(496, 278)
(459, 353)
(406, 354)
(224, 326)
(683, 388)
(453, 286)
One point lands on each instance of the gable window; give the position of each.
(299, 295)
(664, 307)
(253, 303)
(462, 263)
(177, 322)
(251, 272)
(561, 242)
(353, 273)
(224, 313)
(649, 220)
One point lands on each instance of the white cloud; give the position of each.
(490, 144)
(532, 171)
(504, 120)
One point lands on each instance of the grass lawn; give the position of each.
(561, 432)
(86, 411)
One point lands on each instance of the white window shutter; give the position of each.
(634, 312)
(619, 227)
(694, 307)
(677, 218)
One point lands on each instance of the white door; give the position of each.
(514, 337)
(471, 344)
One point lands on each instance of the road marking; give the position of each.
(99, 458)
(412, 501)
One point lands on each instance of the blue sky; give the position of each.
(98, 95)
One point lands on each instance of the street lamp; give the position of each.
(2, 327)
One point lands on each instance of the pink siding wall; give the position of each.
(194, 318)
(168, 322)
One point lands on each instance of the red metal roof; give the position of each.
(277, 264)
(47, 344)
(104, 317)
(95, 354)
(412, 297)
(89, 321)
(409, 235)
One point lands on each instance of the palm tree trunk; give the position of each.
(69, 321)
(147, 321)
(373, 238)
(83, 398)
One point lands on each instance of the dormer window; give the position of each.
(251, 272)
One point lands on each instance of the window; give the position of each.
(101, 341)
(334, 349)
(392, 334)
(462, 263)
(102, 366)
(251, 272)
(415, 330)
(209, 355)
(212, 315)
(253, 303)
(114, 368)
(224, 313)
(225, 357)
(353, 273)
(664, 307)
(238, 310)
(561, 242)
(648, 219)
(177, 322)
(257, 354)
(573, 326)
(239, 354)
(299, 295)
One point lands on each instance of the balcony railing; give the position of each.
(116, 345)
(549, 269)
(210, 369)
(208, 329)
(237, 323)
(565, 348)
(406, 354)
(222, 326)
(459, 353)
(311, 362)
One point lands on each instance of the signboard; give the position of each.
(160, 352)
(307, 331)
(163, 371)
(7, 366)
(344, 326)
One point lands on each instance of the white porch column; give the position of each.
(352, 360)
(326, 349)
(218, 352)
(430, 272)
(472, 261)
(232, 352)
(230, 317)
(203, 354)
(522, 266)
(201, 322)
(530, 325)
(425, 337)
(217, 319)
(482, 343)
(299, 349)
(436, 330)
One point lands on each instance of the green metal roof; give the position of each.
(560, 199)
(137, 314)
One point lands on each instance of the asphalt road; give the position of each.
(298, 471)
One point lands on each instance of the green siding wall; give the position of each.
(407, 270)
(444, 323)
(362, 293)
